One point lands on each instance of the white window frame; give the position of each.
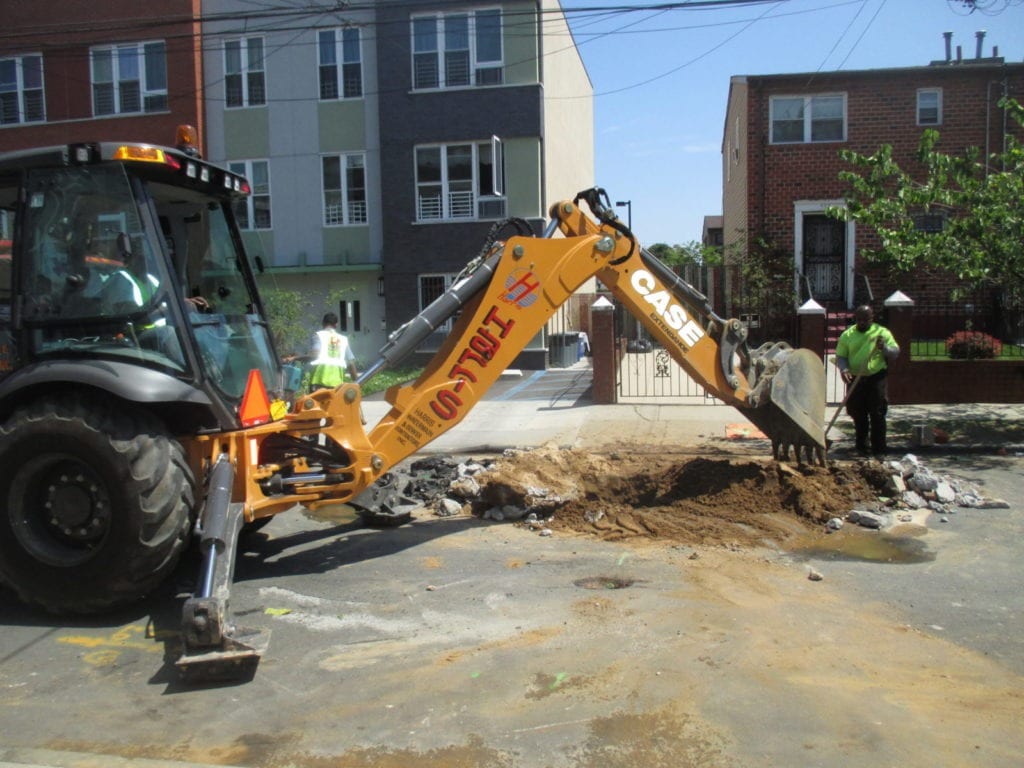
(346, 49)
(808, 118)
(480, 71)
(248, 69)
(924, 92)
(22, 92)
(461, 204)
(260, 192)
(347, 212)
(150, 93)
(800, 209)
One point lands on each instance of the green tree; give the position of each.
(979, 204)
(691, 253)
(288, 314)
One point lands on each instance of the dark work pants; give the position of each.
(867, 406)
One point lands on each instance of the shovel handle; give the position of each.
(849, 391)
(856, 380)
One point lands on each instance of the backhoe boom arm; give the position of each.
(503, 300)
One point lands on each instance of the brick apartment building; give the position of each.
(99, 71)
(780, 154)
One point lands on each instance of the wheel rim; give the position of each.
(63, 509)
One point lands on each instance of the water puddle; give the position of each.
(604, 582)
(859, 545)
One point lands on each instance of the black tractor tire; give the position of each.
(96, 503)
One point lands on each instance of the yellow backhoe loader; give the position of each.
(138, 378)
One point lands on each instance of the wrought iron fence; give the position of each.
(981, 325)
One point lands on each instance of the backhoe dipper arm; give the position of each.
(780, 389)
(711, 350)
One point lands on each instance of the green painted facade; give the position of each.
(247, 132)
(519, 39)
(524, 155)
(342, 125)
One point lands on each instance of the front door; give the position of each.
(824, 255)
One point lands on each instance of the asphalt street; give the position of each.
(463, 642)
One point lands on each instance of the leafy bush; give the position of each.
(972, 345)
(385, 379)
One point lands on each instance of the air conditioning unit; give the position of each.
(491, 208)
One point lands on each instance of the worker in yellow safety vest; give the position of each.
(863, 354)
(332, 355)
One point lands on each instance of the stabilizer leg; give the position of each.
(214, 649)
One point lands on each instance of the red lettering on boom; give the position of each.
(446, 404)
(481, 350)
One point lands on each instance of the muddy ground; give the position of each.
(680, 499)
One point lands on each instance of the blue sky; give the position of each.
(661, 80)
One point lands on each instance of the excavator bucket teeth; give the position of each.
(788, 403)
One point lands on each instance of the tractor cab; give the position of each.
(128, 255)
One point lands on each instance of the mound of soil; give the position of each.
(676, 499)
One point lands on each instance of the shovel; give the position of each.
(849, 391)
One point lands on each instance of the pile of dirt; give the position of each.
(678, 499)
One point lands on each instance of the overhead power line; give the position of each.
(268, 16)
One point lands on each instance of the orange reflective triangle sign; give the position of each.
(255, 407)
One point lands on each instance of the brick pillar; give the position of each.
(811, 328)
(899, 319)
(602, 350)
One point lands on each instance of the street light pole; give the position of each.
(628, 204)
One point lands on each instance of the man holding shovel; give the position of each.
(863, 355)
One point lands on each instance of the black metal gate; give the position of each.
(646, 372)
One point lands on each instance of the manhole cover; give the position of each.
(604, 582)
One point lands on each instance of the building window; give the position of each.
(21, 90)
(929, 223)
(460, 181)
(805, 119)
(129, 78)
(254, 211)
(344, 81)
(244, 78)
(457, 50)
(344, 185)
(349, 318)
(929, 106)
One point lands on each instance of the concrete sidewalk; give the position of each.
(515, 415)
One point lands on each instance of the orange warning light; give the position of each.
(255, 407)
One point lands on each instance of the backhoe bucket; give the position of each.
(787, 402)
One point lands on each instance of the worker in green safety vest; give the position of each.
(863, 354)
(332, 355)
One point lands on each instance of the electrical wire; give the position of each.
(310, 17)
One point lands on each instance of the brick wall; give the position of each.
(948, 381)
(66, 68)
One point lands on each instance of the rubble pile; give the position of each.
(911, 486)
(686, 499)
